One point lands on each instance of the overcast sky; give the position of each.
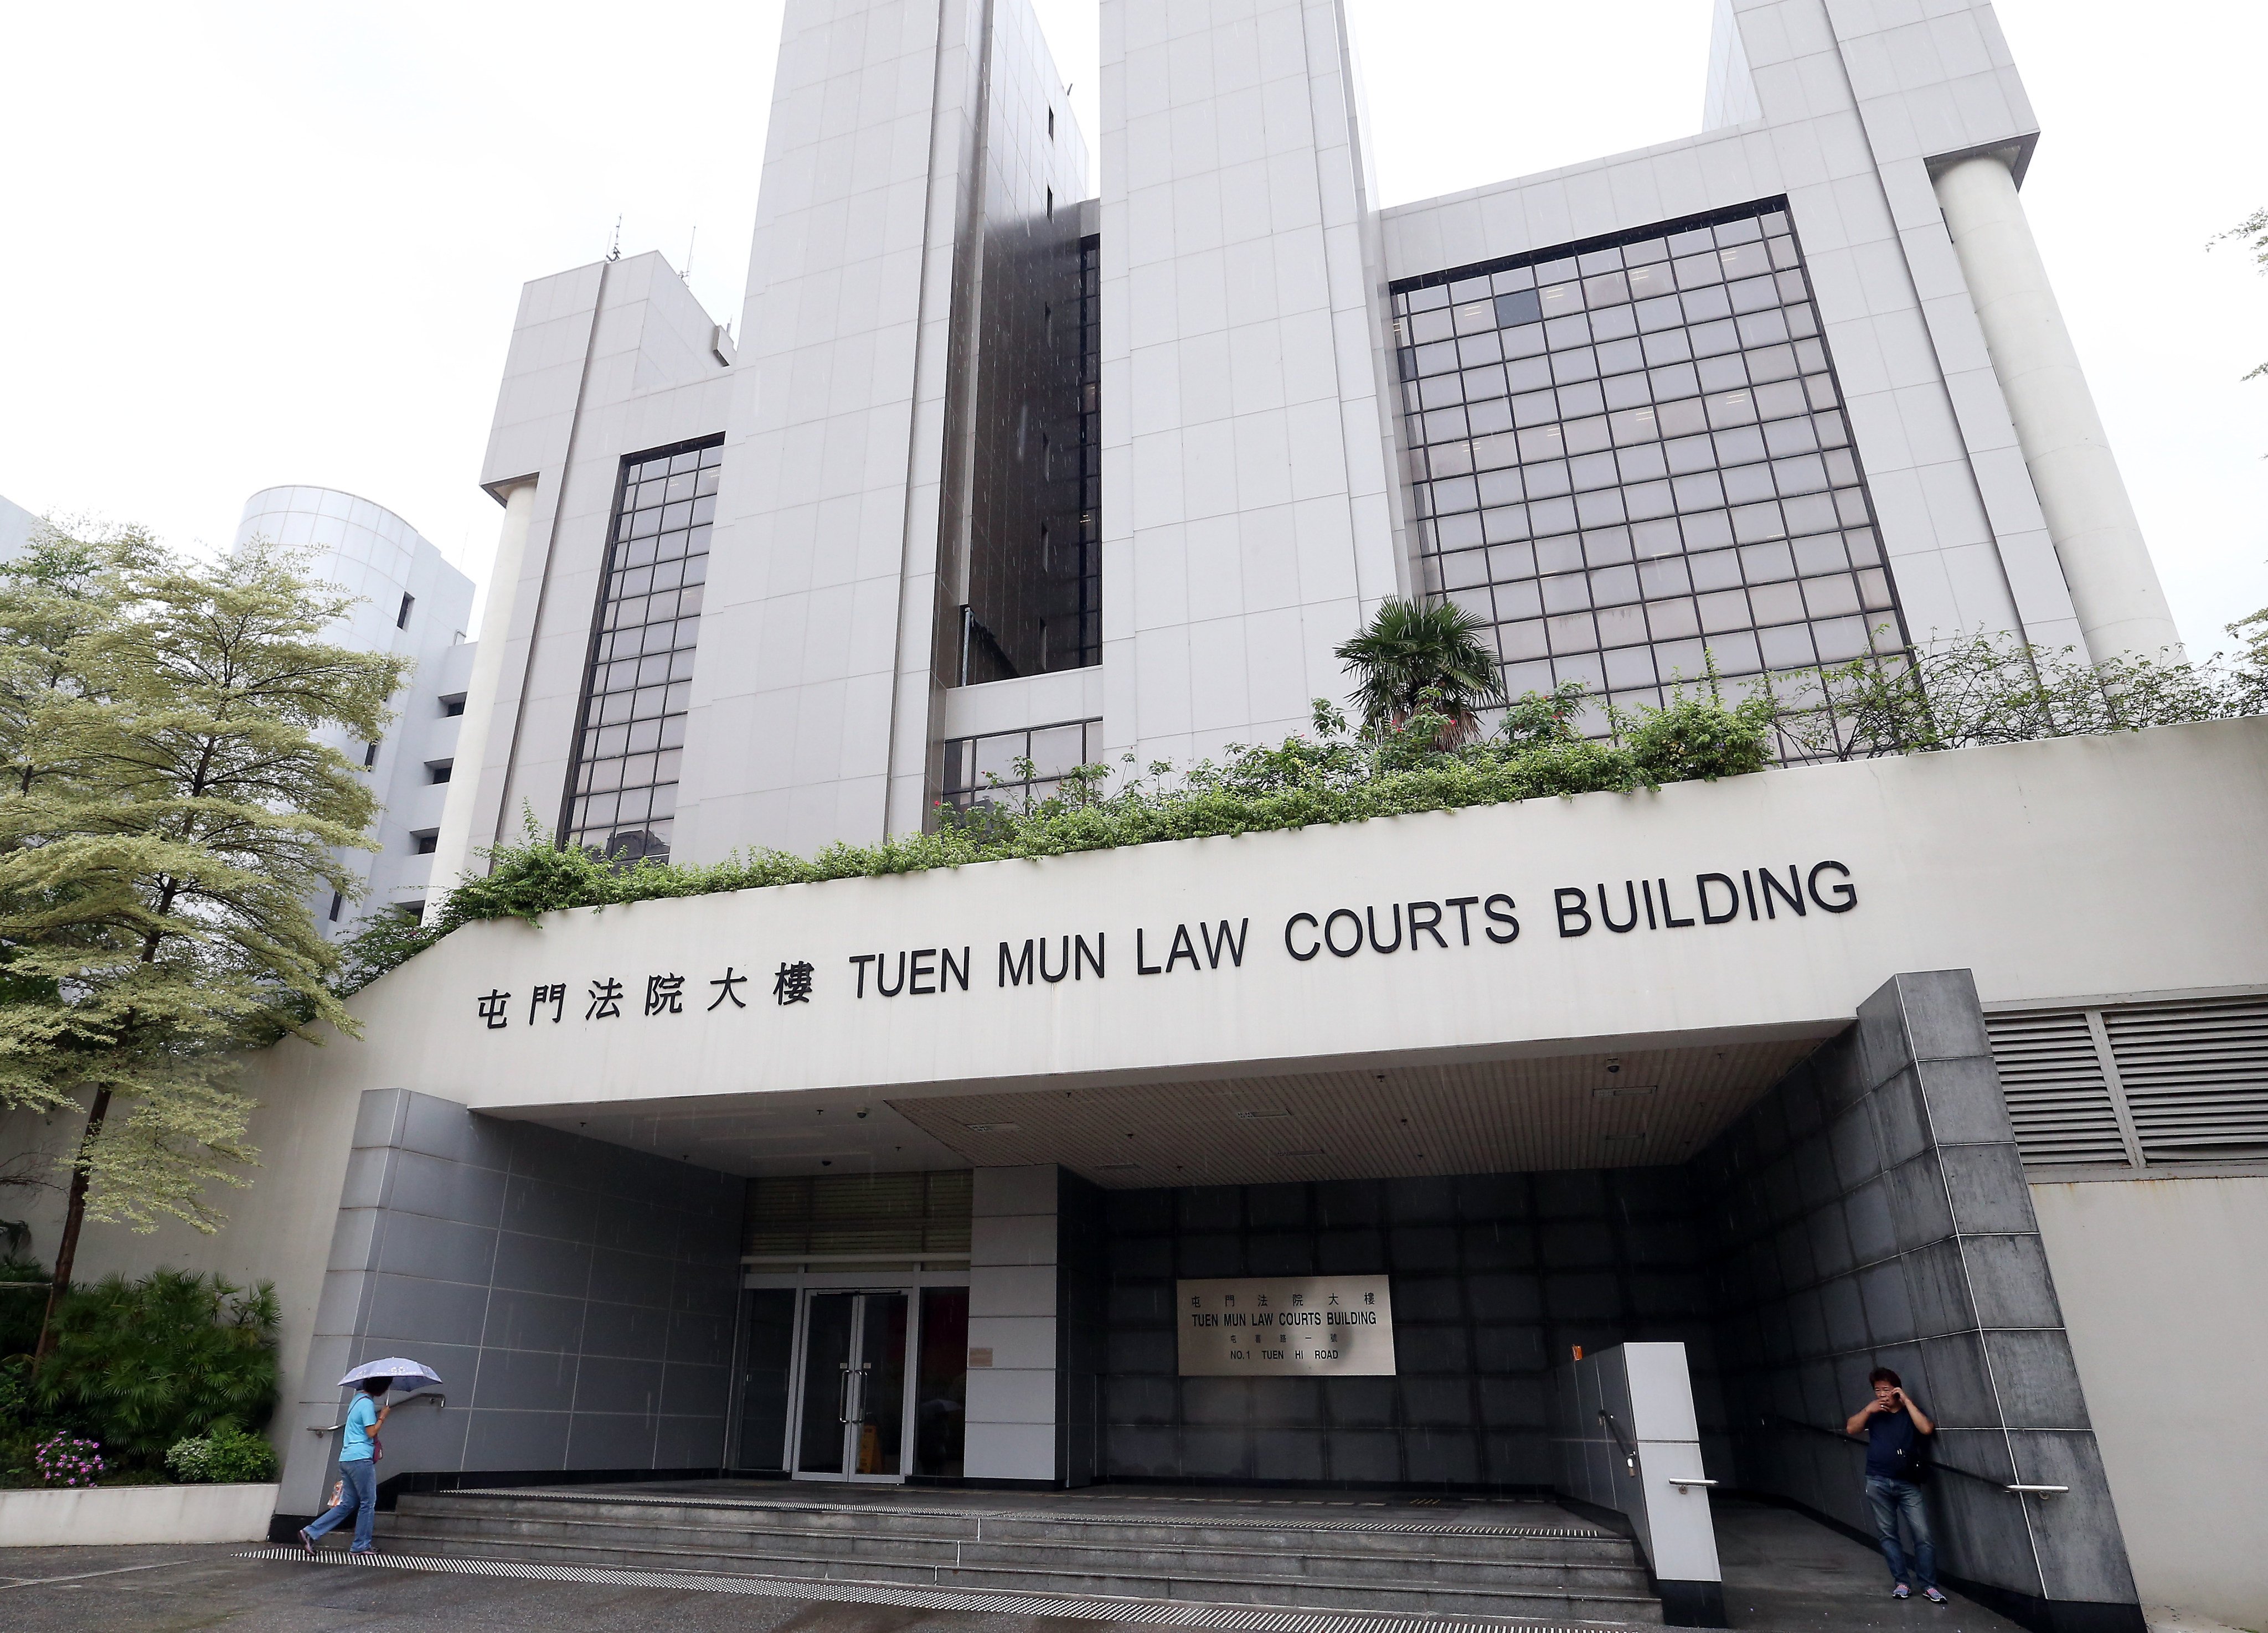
(252, 244)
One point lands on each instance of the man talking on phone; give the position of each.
(1896, 1464)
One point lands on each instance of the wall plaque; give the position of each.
(1339, 1326)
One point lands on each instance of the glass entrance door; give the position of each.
(852, 1419)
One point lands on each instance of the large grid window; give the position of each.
(1632, 458)
(621, 794)
(984, 770)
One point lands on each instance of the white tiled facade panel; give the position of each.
(1248, 515)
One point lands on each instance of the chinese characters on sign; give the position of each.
(792, 984)
(665, 995)
(1304, 1326)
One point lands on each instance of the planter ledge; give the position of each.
(97, 1516)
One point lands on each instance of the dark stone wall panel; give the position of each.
(1494, 1276)
(576, 1297)
(1922, 1255)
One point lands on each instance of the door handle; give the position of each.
(842, 1396)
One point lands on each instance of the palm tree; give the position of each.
(1409, 650)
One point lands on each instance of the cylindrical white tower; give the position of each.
(2114, 586)
(452, 850)
(409, 602)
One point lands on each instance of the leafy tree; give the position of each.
(1409, 650)
(173, 809)
(143, 1364)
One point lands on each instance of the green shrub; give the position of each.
(226, 1456)
(22, 1426)
(145, 1365)
(1692, 739)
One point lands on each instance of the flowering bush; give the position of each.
(67, 1461)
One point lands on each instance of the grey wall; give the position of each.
(577, 1298)
(1870, 1210)
(1494, 1278)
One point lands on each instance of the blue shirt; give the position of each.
(1893, 1446)
(361, 1418)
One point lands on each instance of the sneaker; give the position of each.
(1902, 1592)
(1934, 1597)
(307, 1541)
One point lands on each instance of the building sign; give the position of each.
(1475, 924)
(1288, 1325)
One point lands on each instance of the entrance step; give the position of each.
(1545, 1565)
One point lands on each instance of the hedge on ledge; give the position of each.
(1332, 777)
(1974, 691)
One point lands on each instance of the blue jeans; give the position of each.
(1889, 1498)
(361, 1500)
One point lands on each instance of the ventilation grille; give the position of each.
(2058, 1095)
(2196, 1077)
(2140, 1085)
(858, 1214)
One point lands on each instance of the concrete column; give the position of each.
(1012, 1393)
(452, 848)
(2114, 586)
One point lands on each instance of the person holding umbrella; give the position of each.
(358, 1452)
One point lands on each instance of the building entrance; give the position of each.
(855, 1388)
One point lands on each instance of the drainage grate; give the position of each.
(1050, 1516)
(1159, 1612)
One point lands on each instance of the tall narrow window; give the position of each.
(1089, 641)
(621, 793)
(401, 618)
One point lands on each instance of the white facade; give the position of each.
(1280, 435)
(1740, 395)
(411, 602)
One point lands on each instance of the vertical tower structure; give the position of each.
(910, 360)
(1250, 519)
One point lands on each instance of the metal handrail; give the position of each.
(1629, 1450)
(438, 1397)
(1950, 1468)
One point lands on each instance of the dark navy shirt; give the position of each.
(1889, 1434)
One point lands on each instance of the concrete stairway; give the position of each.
(1531, 1562)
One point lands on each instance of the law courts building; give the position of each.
(982, 1178)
